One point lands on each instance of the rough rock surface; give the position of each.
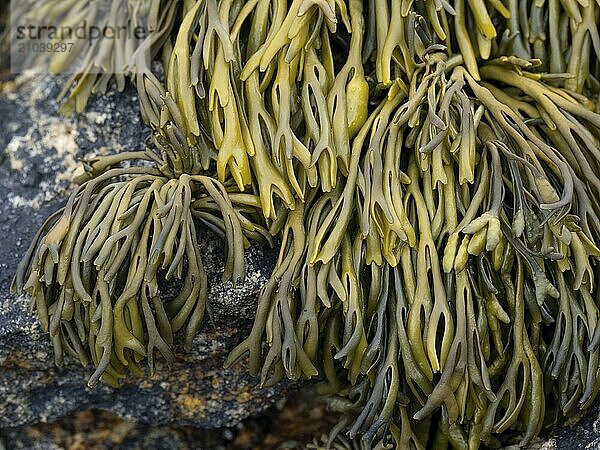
(39, 152)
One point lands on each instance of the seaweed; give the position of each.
(430, 169)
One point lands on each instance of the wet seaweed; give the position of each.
(430, 168)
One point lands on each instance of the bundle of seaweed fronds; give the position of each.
(431, 170)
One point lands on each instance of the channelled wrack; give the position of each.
(429, 168)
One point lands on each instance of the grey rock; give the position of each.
(40, 152)
(581, 432)
(93, 429)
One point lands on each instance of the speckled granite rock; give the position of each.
(39, 154)
(579, 433)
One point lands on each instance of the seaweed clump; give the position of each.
(431, 170)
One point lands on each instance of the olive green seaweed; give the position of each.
(428, 167)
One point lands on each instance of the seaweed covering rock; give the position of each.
(435, 196)
(40, 153)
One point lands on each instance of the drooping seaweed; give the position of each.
(430, 168)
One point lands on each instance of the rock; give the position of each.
(40, 153)
(580, 432)
(288, 426)
(100, 430)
